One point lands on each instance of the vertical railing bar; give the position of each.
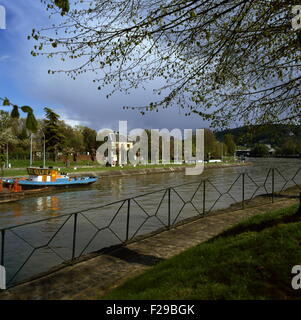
(128, 220)
(204, 197)
(243, 190)
(273, 184)
(74, 236)
(169, 204)
(2, 247)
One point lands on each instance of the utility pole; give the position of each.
(30, 164)
(44, 150)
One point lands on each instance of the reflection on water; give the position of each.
(49, 203)
(116, 187)
(17, 211)
(108, 190)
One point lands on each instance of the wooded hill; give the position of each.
(275, 135)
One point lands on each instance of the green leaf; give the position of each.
(63, 4)
(27, 109)
(15, 112)
(6, 102)
(208, 34)
(192, 14)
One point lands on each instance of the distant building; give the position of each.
(126, 143)
(118, 143)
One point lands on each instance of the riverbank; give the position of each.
(248, 261)
(99, 273)
(128, 170)
(164, 169)
(10, 196)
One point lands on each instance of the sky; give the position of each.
(25, 81)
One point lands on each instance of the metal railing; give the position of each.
(43, 244)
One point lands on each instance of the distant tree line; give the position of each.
(284, 139)
(61, 139)
(215, 149)
(67, 143)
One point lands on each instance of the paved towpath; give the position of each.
(92, 278)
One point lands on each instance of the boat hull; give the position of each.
(28, 184)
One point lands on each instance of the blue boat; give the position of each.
(48, 177)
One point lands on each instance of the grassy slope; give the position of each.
(22, 172)
(25, 163)
(252, 260)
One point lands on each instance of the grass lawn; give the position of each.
(21, 172)
(37, 163)
(252, 260)
(83, 166)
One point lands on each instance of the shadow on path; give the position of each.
(132, 256)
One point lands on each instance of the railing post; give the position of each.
(128, 220)
(169, 204)
(2, 247)
(273, 184)
(74, 236)
(204, 197)
(243, 190)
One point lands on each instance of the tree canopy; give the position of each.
(260, 150)
(55, 140)
(275, 135)
(229, 142)
(226, 60)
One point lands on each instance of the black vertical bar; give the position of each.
(204, 197)
(169, 208)
(74, 236)
(273, 184)
(243, 190)
(2, 247)
(128, 220)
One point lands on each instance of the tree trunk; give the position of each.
(92, 156)
(299, 209)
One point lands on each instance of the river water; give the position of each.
(107, 226)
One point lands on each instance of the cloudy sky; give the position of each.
(25, 81)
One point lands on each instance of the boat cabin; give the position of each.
(44, 174)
